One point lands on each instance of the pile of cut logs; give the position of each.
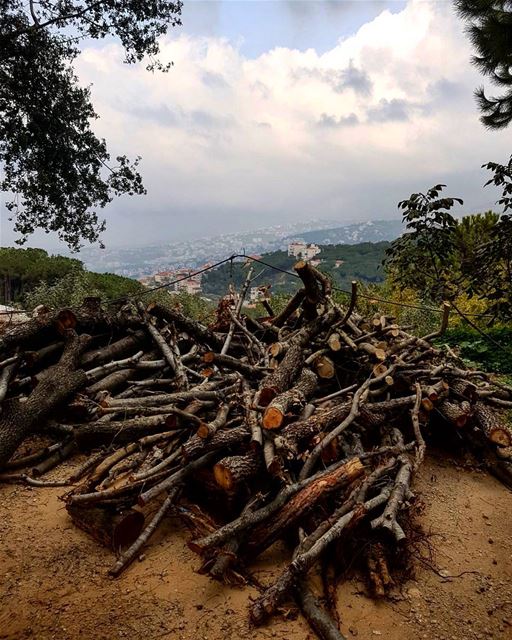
(305, 426)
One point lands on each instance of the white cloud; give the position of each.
(228, 140)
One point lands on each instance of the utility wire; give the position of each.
(231, 259)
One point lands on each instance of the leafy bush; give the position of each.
(476, 350)
(68, 291)
(191, 305)
(77, 284)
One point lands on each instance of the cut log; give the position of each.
(111, 529)
(208, 429)
(455, 413)
(282, 378)
(335, 342)
(492, 425)
(231, 472)
(196, 446)
(377, 353)
(292, 400)
(324, 367)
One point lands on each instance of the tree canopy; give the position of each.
(57, 171)
(444, 257)
(490, 31)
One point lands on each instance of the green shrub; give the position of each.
(479, 351)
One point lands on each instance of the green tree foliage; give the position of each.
(443, 257)
(477, 350)
(490, 29)
(56, 170)
(22, 269)
(424, 258)
(77, 284)
(32, 277)
(191, 305)
(491, 276)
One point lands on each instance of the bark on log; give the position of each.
(235, 364)
(290, 308)
(263, 535)
(6, 375)
(115, 350)
(58, 455)
(51, 326)
(200, 332)
(282, 378)
(35, 358)
(59, 382)
(312, 288)
(295, 435)
(112, 382)
(267, 603)
(196, 446)
(94, 434)
(202, 392)
(319, 620)
(455, 413)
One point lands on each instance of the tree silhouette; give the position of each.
(56, 171)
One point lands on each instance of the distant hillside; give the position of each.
(359, 262)
(372, 231)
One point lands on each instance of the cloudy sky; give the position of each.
(281, 111)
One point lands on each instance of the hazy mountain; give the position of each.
(372, 231)
(193, 253)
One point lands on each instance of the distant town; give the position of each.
(150, 262)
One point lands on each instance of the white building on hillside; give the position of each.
(302, 250)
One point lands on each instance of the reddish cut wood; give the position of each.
(264, 534)
(113, 530)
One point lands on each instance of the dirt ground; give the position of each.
(54, 583)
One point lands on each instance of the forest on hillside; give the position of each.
(31, 276)
(361, 262)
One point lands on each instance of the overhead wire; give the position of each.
(231, 259)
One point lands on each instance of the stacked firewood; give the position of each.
(305, 426)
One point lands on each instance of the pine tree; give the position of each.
(490, 31)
